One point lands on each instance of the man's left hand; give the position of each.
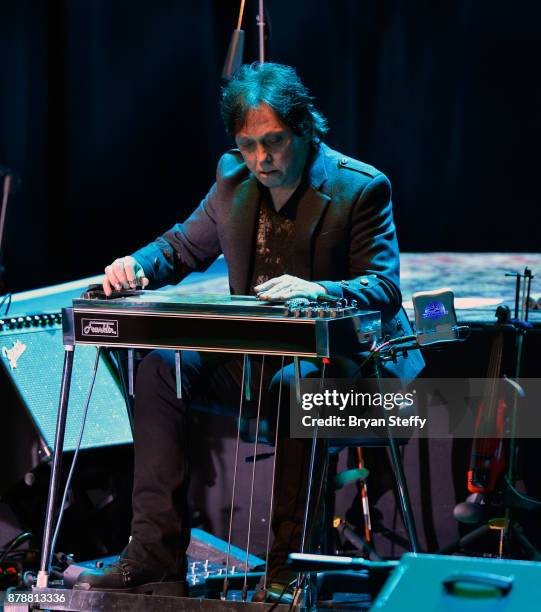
(286, 287)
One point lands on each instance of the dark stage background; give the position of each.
(108, 109)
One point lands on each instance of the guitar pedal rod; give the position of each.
(131, 390)
(178, 373)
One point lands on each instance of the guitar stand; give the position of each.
(511, 500)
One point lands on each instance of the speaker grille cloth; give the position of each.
(37, 378)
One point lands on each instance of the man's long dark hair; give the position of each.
(278, 86)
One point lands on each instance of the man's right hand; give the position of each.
(124, 273)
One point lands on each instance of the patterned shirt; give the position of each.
(275, 237)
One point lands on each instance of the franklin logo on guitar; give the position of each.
(99, 328)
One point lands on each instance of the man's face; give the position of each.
(273, 153)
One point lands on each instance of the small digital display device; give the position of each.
(435, 316)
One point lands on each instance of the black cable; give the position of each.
(76, 453)
(522, 496)
(15, 543)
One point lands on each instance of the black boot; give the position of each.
(129, 576)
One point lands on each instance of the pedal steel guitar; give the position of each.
(219, 323)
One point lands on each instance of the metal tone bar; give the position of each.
(131, 389)
(46, 552)
(178, 373)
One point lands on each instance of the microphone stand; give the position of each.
(233, 60)
(261, 26)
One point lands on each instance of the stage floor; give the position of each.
(477, 279)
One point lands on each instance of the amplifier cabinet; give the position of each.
(437, 582)
(31, 358)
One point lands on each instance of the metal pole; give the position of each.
(401, 486)
(403, 496)
(261, 26)
(46, 552)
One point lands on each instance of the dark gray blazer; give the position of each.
(345, 237)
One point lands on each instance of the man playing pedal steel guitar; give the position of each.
(293, 218)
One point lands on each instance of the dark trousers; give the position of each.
(160, 525)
